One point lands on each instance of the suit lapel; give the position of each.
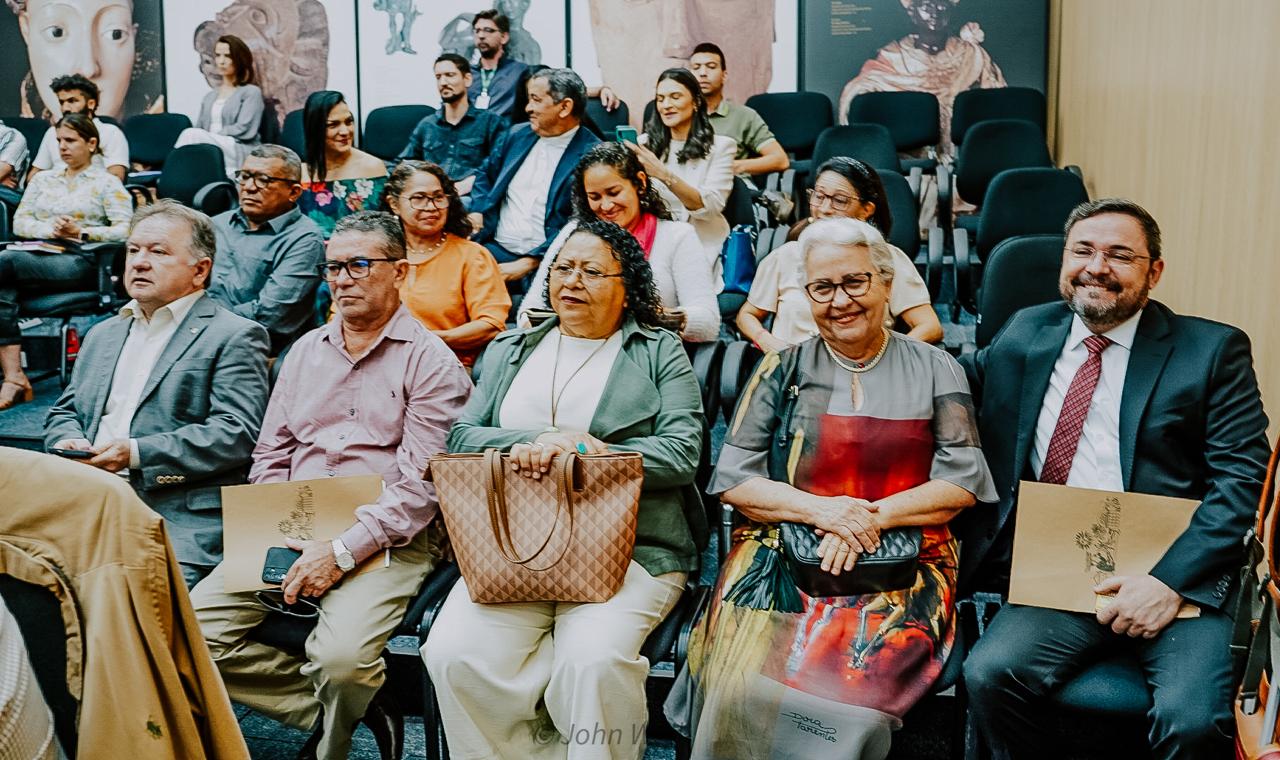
(568, 160)
(514, 161)
(1037, 369)
(629, 397)
(188, 331)
(1146, 362)
(114, 335)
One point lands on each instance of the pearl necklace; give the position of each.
(426, 252)
(856, 391)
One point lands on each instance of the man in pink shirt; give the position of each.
(371, 392)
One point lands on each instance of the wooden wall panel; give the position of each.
(1176, 104)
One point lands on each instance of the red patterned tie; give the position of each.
(1075, 408)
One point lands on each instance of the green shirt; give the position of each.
(744, 125)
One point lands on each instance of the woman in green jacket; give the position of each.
(528, 680)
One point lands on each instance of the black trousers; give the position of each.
(29, 273)
(1028, 652)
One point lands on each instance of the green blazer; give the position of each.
(652, 405)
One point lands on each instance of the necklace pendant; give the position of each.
(858, 395)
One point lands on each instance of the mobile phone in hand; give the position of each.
(626, 134)
(279, 560)
(72, 453)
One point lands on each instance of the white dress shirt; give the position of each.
(521, 221)
(147, 340)
(1097, 460)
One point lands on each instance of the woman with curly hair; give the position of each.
(681, 150)
(609, 184)
(454, 286)
(602, 375)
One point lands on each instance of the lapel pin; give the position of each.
(195, 330)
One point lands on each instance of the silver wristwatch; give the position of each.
(342, 556)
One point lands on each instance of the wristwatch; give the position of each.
(342, 556)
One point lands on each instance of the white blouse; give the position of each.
(680, 275)
(581, 368)
(713, 177)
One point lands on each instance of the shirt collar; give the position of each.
(402, 327)
(722, 109)
(560, 141)
(276, 223)
(1122, 334)
(441, 120)
(177, 309)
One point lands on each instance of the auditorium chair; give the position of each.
(292, 135)
(151, 137)
(911, 117)
(973, 106)
(869, 143)
(990, 147)
(32, 130)
(796, 119)
(904, 207)
(195, 176)
(602, 122)
(1020, 272)
(387, 129)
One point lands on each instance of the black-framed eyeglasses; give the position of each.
(1121, 257)
(274, 601)
(258, 178)
(838, 202)
(853, 285)
(422, 201)
(357, 268)
(589, 275)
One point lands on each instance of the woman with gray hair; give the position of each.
(851, 442)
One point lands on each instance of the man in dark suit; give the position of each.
(1110, 390)
(523, 193)
(171, 392)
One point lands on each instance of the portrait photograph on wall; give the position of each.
(940, 46)
(626, 44)
(115, 43)
(401, 39)
(298, 46)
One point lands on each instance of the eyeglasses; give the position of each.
(589, 275)
(274, 601)
(258, 178)
(357, 268)
(485, 30)
(853, 285)
(838, 202)
(422, 201)
(1114, 258)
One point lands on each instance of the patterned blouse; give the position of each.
(94, 198)
(327, 202)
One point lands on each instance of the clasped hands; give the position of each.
(848, 527)
(66, 227)
(533, 460)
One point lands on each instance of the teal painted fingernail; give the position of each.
(582, 448)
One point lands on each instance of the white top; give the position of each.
(1097, 461)
(680, 274)
(13, 151)
(147, 340)
(521, 221)
(527, 405)
(713, 176)
(114, 147)
(215, 116)
(778, 288)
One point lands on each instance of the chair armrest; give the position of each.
(216, 197)
(915, 181)
(693, 609)
(426, 606)
(966, 271)
(945, 189)
(933, 264)
(706, 362)
(1075, 170)
(104, 257)
(736, 357)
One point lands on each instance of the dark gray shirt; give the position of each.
(500, 84)
(269, 274)
(459, 148)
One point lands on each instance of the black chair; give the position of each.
(650, 109)
(387, 129)
(990, 147)
(973, 106)
(869, 143)
(796, 119)
(1020, 272)
(602, 122)
(292, 136)
(740, 207)
(151, 138)
(195, 176)
(913, 118)
(32, 130)
(904, 207)
(44, 632)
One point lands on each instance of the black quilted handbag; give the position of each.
(890, 568)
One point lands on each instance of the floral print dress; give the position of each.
(327, 202)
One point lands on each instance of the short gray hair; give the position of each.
(565, 84)
(378, 223)
(849, 233)
(292, 164)
(203, 241)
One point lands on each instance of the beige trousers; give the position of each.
(343, 667)
(535, 681)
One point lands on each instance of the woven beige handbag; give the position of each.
(567, 537)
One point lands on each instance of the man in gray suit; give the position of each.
(171, 392)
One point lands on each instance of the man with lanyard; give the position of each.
(494, 88)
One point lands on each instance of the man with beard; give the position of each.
(457, 137)
(494, 89)
(1113, 391)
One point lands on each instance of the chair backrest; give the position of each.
(1020, 272)
(993, 146)
(32, 129)
(973, 106)
(738, 208)
(603, 122)
(1027, 202)
(795, 118)
(649, 109)
(911, 117)
(39, 616)
(387, 129)
(869, 143)
(292, 135)
(904, 210)
(189, 168)
(152, 135)
(269, 127)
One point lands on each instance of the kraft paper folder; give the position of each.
(1067, 540)
(258, 517)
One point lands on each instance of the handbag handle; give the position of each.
(499, 518)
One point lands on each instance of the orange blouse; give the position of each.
(458, 284)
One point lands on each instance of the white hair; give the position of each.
(847, 233)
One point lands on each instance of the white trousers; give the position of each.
(197, 136)
(546, 680)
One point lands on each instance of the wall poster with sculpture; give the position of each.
(940, 46)
(116, 43)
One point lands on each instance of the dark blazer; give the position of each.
(196, 423)
(495, 177)
(1191, 426)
